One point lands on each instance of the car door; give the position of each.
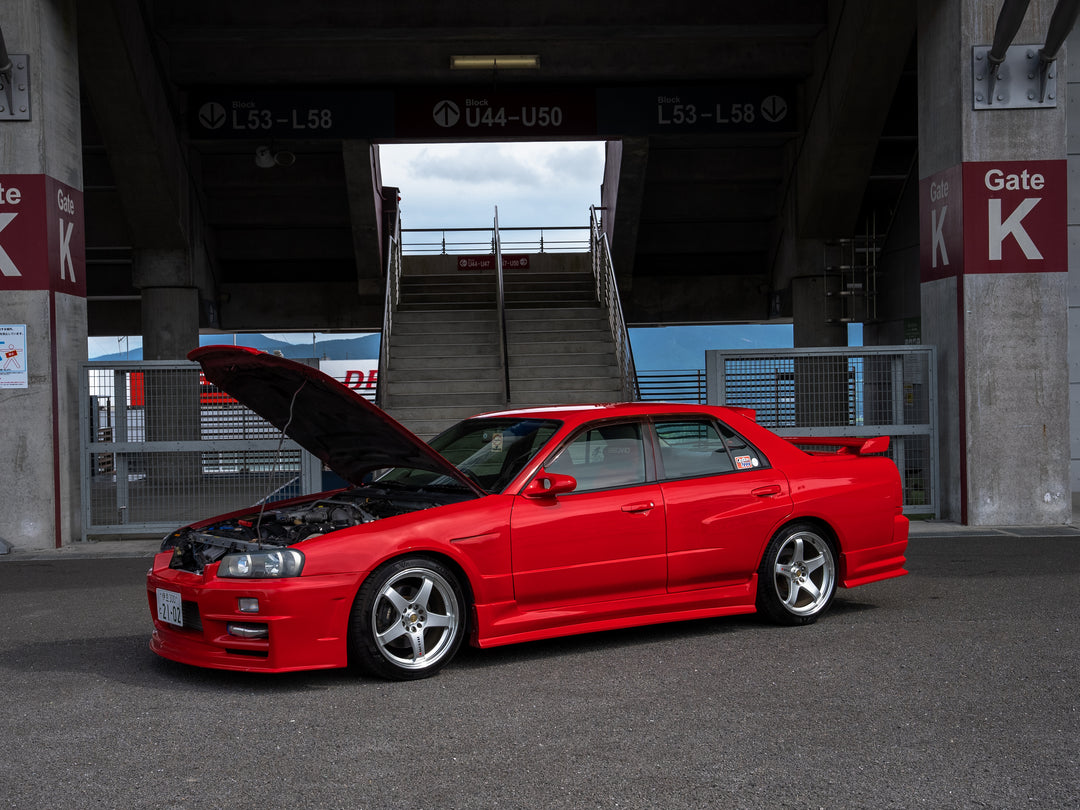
(604, 540)
(722, 498)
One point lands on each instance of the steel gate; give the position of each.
(160, 447)
(865, 391)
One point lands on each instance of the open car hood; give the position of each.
(335, 424)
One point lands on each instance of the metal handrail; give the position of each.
(500, 299)
(607, 293)
(543, 244)
(393, 296)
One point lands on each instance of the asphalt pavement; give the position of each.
(952, 687)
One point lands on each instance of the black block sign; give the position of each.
(704, 109)
(483, 113)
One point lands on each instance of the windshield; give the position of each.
(491, 451)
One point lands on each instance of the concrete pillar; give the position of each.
(993, 274)
(170, 322)
(43, 281)
(810, 305)
(170, 328)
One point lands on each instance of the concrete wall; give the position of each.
(41, 505)
(1001, 336)
(1072, 148)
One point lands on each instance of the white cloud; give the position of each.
(459, 185)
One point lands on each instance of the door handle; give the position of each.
(765, 492)
(644, 506)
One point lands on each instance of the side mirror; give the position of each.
(548, 485)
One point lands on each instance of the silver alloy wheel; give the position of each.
(804, 573)
(414, 619)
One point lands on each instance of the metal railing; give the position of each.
(500, 303)
(465, 241)
(607, 293)
(686, 385)
(864, 391)
(159, 448)
(390, 304)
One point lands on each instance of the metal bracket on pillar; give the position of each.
(15, 88)
(1023, 80)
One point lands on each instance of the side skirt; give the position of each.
(505, 623)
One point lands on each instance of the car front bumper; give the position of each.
(301, 622)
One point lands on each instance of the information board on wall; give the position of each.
(13, 369)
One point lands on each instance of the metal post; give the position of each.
(5, 71)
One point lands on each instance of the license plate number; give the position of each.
(170, 607)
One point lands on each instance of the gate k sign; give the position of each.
(1005, 217)
(42, 243)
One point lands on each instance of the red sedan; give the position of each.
(513, 526)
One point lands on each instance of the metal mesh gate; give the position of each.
(160, 447)
(868, 391)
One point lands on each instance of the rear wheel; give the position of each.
(408, 619)
(797, 577)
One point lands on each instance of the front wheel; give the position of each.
(797, 578)
(408, 619)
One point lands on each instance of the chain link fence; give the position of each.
(160, 447)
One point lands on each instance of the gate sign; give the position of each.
(42, 242)
(941, 225)
(1016, 217)
(994, 217)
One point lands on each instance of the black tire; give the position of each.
(797, 577)
(408, 619)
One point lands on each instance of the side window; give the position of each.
(695, 448)
(603, 457)
(744, 454)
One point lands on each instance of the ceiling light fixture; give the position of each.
(496, 62)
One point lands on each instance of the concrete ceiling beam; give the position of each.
(363, 182)
(865, 59)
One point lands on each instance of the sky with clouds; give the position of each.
(459, 185)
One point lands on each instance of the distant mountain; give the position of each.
(664, 348)
(365, 347)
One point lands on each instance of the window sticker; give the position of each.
(497, 443)
(745, 462)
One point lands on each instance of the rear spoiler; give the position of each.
(845, 445)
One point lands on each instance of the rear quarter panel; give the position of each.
(860, 499)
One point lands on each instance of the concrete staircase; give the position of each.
(561, 355)
(444, 362)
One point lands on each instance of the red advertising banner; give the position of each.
(994, 217)
(42, 241)
(515, 262)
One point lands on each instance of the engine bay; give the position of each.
(196, 547)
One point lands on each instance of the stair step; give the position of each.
(438, 328)
(574, 370)
(413, 317)
(442, 339)
(530, 349)
(474, 401)
(525, 315)
(419, 365)
(597, 387)
(444, 387)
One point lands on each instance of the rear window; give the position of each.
(695, 448)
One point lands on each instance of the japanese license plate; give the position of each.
(170, 607)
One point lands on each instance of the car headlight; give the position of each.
(281, 562)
